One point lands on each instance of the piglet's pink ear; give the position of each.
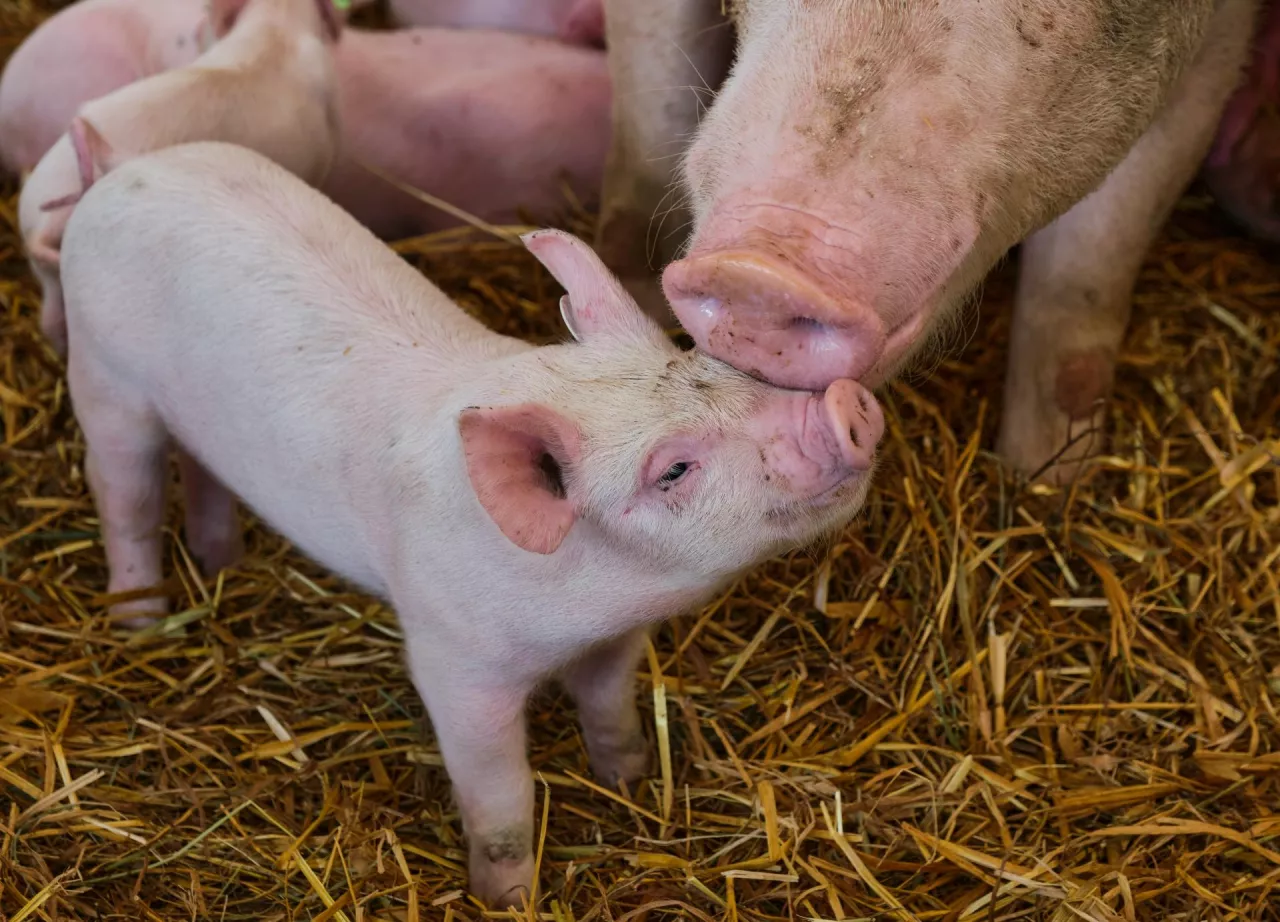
(333, 15)
(516, 459)
(93, 152)
(597, 304)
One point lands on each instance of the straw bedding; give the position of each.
(987, 701)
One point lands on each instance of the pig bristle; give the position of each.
(950, 336)
(983, 699)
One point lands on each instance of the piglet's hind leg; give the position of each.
(213, 533)
(45, 260)
(125, 466)
(603, 683)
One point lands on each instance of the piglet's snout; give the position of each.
(856, 421)
(772, 321)
(814, 442)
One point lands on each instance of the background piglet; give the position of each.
(267, 83)
(85, 51)
(575, 21)
(487, 121)
(529, 511)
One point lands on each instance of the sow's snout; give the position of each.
(771, 321)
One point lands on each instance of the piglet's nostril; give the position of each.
(853, 437)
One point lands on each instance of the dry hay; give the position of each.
(989, 702)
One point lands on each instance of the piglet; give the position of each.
(579, 22)
(87, 50)
(266, 83)
(487, 121)
(528, 511)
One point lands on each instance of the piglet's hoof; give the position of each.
(139, 614)
(214, 555)
(628, 763)
(501, 875)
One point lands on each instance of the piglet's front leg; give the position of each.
(479, 723)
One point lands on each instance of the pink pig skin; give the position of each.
(85, 51)
(487, 121)
(529, 511)
(854, 168)
(267, 84)
(574, 21)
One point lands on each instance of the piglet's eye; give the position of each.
(675, 473)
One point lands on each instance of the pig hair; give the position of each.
(950, 334)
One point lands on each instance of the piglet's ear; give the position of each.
(333, 14)
(94, 155)
(516, 459)
(597, 304)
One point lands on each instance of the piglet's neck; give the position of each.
(589, 591)
(491, 370)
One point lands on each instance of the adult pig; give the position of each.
(487, 121)
(579, 22)
(529, 511)
(266, 83)
(866, 163)
(85, 51)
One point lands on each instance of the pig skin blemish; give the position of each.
(506, 845)
(1083, 382)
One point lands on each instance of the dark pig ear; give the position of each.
(516, 460)
(333, 14)
(223, 15)
(597, 304)
(585, 24)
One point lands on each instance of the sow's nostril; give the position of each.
(768, 319)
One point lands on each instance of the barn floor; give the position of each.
(986, 702)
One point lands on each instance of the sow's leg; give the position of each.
(1078, 273)
(665, 61)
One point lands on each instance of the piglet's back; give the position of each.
(307, 271)
(275, 338)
